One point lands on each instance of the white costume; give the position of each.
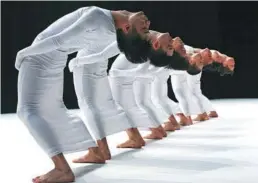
(194, 83)
(122, 77)
(102, 116)
(159, 92)
(142, 89)
(40, 80)
(182, 91)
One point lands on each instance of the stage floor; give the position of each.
(223, 150)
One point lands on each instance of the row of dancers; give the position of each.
(131, 96)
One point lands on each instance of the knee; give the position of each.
(25, 114)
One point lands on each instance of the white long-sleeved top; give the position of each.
(86, 57)
(82, 29)
(123, 68)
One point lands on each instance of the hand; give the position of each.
(229, 63)
(216, 56)
(196, 59)
(178, 45)
(206, 55)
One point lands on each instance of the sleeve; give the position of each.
(59, 40)
(152, 69)
(139, 70)
(107, 53)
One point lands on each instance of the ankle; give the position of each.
(172, 118)
(94, 150)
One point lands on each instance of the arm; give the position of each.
(107, 53)
(56, 41)
(217, 56)
(139, 70)
(153, 70)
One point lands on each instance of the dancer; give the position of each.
(40, 81)
(187, 86)
(122, 79)
(103, 116)
(159, 97)
(194, 83)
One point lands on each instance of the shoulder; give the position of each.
(92, 11)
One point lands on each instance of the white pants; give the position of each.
(182, 93)
(160, 94)
(194, 83)
(42, 110)
(123, 92)
(103, 116)
(142, 89)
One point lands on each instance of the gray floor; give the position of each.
(222, 150)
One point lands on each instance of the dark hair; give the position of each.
(193, 70)
(133, 46)
(218, 67)
(159, 58)
(225, 71)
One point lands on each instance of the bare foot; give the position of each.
(168, 126)
(199, 118)
(134, 135)
(172, 119)
(185, 121)
(56, 176)
(155, 134)
(138, 137)
(162, 131)
(143, 143)
(130, 144)
(93, 156)
(206, 117)
(202, 117)
(103, 147)
(213, 114)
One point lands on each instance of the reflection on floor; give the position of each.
(223, 150)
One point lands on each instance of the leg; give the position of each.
(160, 98)
(135, 139)
(194, 83)
(95, 100)
(142, 90)
(122, 90)
(103, 146)
(180, 87)
(39, 100)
